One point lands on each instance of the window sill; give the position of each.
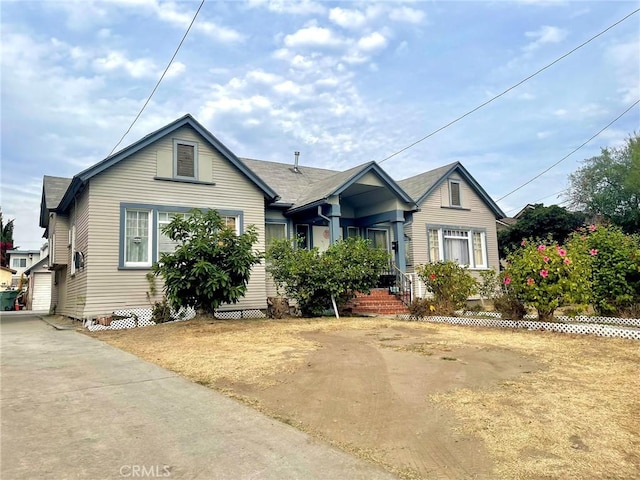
(455, 208)
(183, 180)
(134, 268)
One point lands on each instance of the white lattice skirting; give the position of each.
(141, 317)
(620, 331)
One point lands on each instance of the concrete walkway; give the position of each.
(74, 407)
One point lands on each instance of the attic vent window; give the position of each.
(454, 192)
(185, 159)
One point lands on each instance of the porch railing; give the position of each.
(401, 286)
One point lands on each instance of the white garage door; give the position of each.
(41, 291)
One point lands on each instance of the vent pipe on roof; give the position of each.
(295, 163)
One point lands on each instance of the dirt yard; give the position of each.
(424, 400)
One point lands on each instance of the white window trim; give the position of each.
(176, 142)
(52, 249)
(237, 217)
(471, 231)
(451, 204)
(159, 229)
(72, 234)
(149, 240)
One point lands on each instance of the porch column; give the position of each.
(398, 233)
(334, 222)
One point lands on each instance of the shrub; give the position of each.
(313, 278)
(615, 268)
(546, 276)
(161, 311)
(211, 264)
(421, 307)
(489, 285)
(509, 306)
(450, 283)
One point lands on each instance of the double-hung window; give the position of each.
(137, 238)
(185, 159)
(165, 244)
(465, 246)
(19, 263)
(273, 232)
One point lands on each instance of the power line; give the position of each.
(160, 80)
(542, 198)
(508, 89)
(571, 153)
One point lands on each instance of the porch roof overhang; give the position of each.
(346, 187)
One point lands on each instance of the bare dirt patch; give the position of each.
(424, 400)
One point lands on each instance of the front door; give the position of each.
(379, 238)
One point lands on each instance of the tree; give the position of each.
(313, 277)
(608, 185)
(6, 240)
(211, 264)
(615, 269)
(540, 223)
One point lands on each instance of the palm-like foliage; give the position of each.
(6, 240)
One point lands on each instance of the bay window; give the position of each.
(465, 246)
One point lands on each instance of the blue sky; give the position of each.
(341, 82)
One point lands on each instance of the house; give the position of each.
(6, 277)
(104, 224)
(39, 292)
(507, 222)
(20, 260)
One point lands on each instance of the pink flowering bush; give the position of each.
(546, 276)
(614, 259)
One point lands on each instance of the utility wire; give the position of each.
(538, 199)
(160, 80)
(571, 153)
(508, 89)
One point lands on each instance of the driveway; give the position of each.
(75, 407)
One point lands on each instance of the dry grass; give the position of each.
(576, 418)
(244, 351)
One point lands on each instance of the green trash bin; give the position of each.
(8, 299)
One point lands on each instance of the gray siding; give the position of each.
(434, 211)
(132, 181)
(76, 285)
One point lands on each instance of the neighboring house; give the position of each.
(506, 222)
(39, 293)
(103, 225)
(21, 260)
(6, 277)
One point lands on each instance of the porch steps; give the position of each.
(379, 302)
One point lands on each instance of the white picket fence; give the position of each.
(584, 325)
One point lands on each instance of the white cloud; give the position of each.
(544, 134)
(560, 112)
(346, 18)
(313, 36)
(292, 7)
(261, 76)
(545, 35)
(175, 69)
(374, 41)
(625, 60)
(288, 88)
(114, 61)
(407, 14)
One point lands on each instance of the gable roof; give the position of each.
(421, 186)
(53, 189)
(291, 185)
(340, 181)
(81, 178)
(36, 265)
